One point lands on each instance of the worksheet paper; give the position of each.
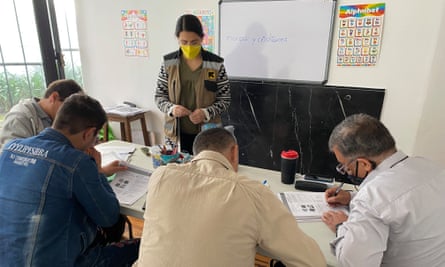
(111, 153)
(307, 206)
(130, 185)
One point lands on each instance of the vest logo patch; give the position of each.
(211, 75)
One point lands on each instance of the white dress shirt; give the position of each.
(397, 217)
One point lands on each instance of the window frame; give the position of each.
(50, 49)
(34, 76)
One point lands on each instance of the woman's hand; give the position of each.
(180, 111)
(197, 116)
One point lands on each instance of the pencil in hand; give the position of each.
(338, 189)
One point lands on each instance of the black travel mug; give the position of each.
(288, 166)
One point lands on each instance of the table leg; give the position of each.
(128, 131)
(145, 132)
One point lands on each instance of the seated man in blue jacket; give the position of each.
(53, 198)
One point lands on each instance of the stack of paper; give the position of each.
(307, 206)
(123, 110)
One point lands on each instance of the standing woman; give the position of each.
(192, 88)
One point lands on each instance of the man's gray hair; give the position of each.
(361, 135)
(215, 139)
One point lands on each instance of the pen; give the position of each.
(338, 188)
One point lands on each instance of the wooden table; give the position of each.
(125, 126)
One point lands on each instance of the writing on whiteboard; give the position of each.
(260, 39)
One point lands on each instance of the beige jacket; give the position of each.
(204, 214)
(25, 119)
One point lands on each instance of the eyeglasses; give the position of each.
(343, 168)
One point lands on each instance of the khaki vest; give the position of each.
(206, 88)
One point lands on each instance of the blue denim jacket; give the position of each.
(52, 198)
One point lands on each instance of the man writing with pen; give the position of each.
(396, 217)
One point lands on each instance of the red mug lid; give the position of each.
(290, 154)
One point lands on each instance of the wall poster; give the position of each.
(360, 34)
(134, 33)
(207, 18)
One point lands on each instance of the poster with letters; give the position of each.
(360, 34)
(134, 33)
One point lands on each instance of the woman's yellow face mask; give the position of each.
(190, 44)
(190, 51)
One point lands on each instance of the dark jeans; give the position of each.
(187, 142)
(119, 254)
(108, 250)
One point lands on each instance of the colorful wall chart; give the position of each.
(360, 34)
(207, 18)
(134, 32)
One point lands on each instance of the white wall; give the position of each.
(431, 130)
(409, 67)
(406, 70)
(112, 77)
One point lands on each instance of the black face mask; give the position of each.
(355, 180)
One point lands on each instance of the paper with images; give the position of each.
(307, 206)
(130, 185)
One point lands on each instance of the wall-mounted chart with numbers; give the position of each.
(360, 34)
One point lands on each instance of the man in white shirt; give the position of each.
(204, 214)
(396, 218)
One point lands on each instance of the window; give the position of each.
(23, 72)
(66, 19)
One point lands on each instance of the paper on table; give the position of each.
(112, 156)
(123, 110)
(128, 149)
(130, 185)
(111, 153)
(307, 206)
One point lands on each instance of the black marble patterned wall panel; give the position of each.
(273, 116)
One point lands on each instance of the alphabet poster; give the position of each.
(360, 34)
(134, 32)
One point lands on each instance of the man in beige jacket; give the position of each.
(31, 116)
(204, 214)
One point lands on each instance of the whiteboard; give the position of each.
(279, 40)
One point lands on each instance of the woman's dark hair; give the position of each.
(189, 23)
